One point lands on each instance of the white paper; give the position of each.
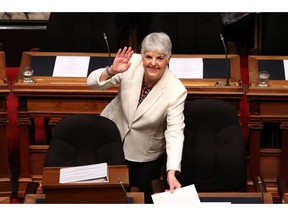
(184, 195)
(71, 66)
(189, 68)
(285, 62)
(85, 174)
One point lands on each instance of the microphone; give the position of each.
(261, 188)
(121, 183)
(227, 64)
(108, 48)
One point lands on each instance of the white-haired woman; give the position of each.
(148, 110)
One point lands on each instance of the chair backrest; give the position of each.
(274, 35)
(85, 139)
(214, 153)
(82, 32)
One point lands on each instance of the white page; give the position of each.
(285, 62)
(84, 174)
(184, 195)
(189, 68)
(71, 66)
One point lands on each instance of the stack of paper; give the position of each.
(187, 68)
(184, 195)
(71, 66)
(85, 174)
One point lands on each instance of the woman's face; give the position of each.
(154, 66)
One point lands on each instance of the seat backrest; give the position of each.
(85, 139)
(82, 32)
(214, 152)
(274, 35)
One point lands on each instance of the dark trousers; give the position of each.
(142, 173)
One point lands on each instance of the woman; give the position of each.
(148, 110)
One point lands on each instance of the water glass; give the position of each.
(263, 79)
(28, 75)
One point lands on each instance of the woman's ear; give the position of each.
(169, 59)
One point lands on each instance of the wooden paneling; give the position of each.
(5, 182)
(267, 105)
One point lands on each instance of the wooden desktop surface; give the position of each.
(55, 97)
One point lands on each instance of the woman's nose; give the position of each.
(153, 62)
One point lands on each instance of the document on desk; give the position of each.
(184, 195)
(93, 173)
(187, 68)
(285, 62)
(71, 66)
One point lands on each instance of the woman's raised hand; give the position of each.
(121, 62)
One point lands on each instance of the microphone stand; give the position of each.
(261, 188)
(108, 48)
(124, 190)
(227, 64)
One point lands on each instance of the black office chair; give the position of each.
(85, 139)
(274, 33)
(82, 32)
(214, 153)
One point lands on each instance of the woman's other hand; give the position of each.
(172, 181)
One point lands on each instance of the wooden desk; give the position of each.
(238, 197)
(106, 192)
(5, 182)
(138, 197)
(135, 197)
(267, 105)
(55, 97)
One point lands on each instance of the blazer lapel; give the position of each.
(152, 97)
(134, 95)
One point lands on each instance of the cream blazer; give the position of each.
(157, 124)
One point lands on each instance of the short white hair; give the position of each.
(158, 42)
